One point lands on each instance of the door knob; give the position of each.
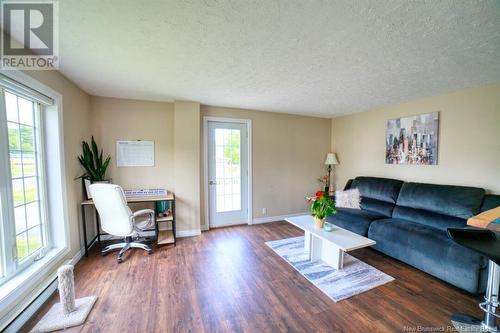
(211, 182)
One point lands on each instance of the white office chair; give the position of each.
(118, 220)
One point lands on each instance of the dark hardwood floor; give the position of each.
(228, 280)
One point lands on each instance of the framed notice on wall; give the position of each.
(135, 153)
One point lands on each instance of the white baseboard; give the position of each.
(268, 219)
(188, 233)
(77, 257)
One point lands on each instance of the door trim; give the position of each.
(248, 122)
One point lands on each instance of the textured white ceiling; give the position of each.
(308, 57)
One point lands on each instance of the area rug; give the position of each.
(354, 278)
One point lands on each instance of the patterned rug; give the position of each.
(354, 278)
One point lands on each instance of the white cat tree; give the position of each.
(69, 312)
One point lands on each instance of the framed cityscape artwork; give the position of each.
(412, 140)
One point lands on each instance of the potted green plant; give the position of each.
(322, 206)
(94, 165)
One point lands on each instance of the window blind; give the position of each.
(23, 90)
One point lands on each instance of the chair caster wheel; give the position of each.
(150, 252)
(103, 254)
(120, 260)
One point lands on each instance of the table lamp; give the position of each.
(331, 159)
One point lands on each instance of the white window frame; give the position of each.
(20, 290)
(10, 263)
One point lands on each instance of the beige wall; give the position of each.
(174, 127)
(469, 141)
(76, 128)
(288, 152)
(187, 166)
(124, 119)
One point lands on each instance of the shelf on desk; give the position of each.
(165, 237)
(168, 218)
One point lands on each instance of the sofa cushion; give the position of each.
(383, 189)
(428, 218)
(490, 201)
(458, 201)
(430, 250)
(378, 195)
(377, 206)
(355, 220)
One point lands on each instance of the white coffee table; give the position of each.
(328, 246)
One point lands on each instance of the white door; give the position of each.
(227, 152)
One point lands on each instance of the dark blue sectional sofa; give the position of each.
(409, 221)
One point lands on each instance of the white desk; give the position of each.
(328, 246)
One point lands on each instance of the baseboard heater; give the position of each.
(22, 318)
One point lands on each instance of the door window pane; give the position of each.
(227, 169)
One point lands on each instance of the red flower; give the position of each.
(319, 194)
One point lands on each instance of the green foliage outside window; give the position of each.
(26, 134)
(33, 242)
(232, 149)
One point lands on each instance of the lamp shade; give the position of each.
(331, 159)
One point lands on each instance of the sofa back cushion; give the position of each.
(378, 195)
(458, 201)
(428, 218)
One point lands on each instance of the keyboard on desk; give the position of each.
(145, 192)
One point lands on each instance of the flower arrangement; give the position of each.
(323, 180)
(322, 206)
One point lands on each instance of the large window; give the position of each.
(34, 219)
(24, 229)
